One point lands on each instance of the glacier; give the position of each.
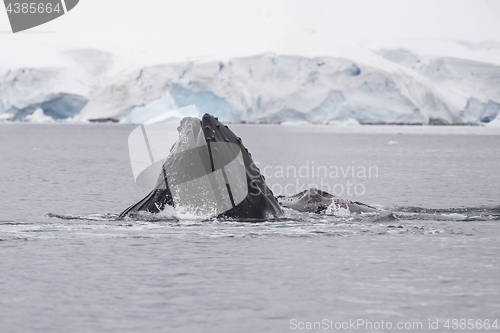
(355, 86)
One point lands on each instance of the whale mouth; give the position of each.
(205, 177)
(207, 173)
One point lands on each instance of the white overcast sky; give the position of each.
(174, 30)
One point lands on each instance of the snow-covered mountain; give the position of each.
(354, 86)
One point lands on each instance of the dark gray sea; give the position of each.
(430, 257)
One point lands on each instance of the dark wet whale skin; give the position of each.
(317, 201)
(259, 203)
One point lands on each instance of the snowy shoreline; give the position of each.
(382, 129)
(354, 86)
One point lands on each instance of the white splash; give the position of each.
(338, 210)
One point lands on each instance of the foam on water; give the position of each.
(401, 220)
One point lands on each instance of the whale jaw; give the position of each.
(209, 171)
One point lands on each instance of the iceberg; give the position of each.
(38, 116)
(142, 114)
(476, 112)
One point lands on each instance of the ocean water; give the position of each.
(67, 264)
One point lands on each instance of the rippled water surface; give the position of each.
(69, 265)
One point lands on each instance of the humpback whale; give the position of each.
(317, 201)
(209, 172)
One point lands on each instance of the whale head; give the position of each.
(209, 172)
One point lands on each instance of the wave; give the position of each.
(90, 217)
(410, 213)
(412, 221)
(466, 214)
